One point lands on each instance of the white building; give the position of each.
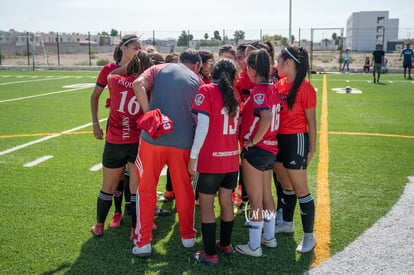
(365, 29)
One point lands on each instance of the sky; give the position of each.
(170, 18)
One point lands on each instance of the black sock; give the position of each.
(118, 196)
(279, 191)
(226, 228)
(127, 192)
(209, 237)
(168, 185)
(133, 210)
(289, 204)
(103, 205)
(307, 207)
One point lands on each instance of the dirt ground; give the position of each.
(321, 61)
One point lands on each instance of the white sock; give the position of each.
(269, 227)
(255, 234)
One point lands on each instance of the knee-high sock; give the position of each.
(226, 229)
(307, 211)
(103, 205)
(127, 192)
(118, 196)
(209, 237)
(269, 226)
(133, 210)
(279, 192)
(289, 204)
(255, 234)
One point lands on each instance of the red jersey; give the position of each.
(294, 121)
(102, 80)
(243, 86)
(203, 79)
(125, 110)
(220, 151)
(264, 96)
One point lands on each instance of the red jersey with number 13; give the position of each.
(264, 96)
(125, 110)
(220, 151)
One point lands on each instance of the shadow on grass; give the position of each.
(111, 254)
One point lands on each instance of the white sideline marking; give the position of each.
(80, 85)
(5, 152)
(32, 96)
(96, 167)
(37, 161)
(23, 81)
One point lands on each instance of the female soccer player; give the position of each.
(260, 122)
(215, 156)
(206, 69)
(122, 139)
(297, 142)
(127, 47)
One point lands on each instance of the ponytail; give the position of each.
(224, 73)
(123, 42)
(139, 63)
(260, 61)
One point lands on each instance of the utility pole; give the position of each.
(290, 22)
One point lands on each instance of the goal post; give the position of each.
(31, 44)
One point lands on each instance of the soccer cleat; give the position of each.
(246, 250)
(143, 251)
(162, 212)
(116, 220)
(203, 258)
(98, 229)
(307, 244)
(133, 235)
(285, 227)
(169, 194)
(188, 243)
(236, 199)
(272, 243)
(228, 249)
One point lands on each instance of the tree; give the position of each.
(114, 32)
(103, 33)
(239, 35)
(206, 36)
(184, 39)
(217, 35)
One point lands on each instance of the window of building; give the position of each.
(380, 20)
(380, 30)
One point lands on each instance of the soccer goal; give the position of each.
(33, 46)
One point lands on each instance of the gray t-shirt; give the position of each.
(174, 87)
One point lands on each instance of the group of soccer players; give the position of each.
(253, 118)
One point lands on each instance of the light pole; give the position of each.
(290, 22)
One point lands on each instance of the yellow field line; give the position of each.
(323, 211)
(369, 134)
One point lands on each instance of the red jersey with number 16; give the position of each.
(125, 110)
(264, 96)
(220, 151)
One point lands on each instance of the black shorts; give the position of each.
(209, 183)
(407, 65)
(259, 158)
(117, 155)
(293, 150)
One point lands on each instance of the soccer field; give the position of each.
(48, 190)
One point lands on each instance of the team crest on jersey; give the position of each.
(199, 99)
(259, 98)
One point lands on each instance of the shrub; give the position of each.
(102, 62)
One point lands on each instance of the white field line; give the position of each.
(5, 152)
(96, 167)
(24, 81)
(32, 96)
(37, 161)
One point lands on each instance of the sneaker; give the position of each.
(203, 258)
(116, 220)
(285, 227)
(188, 243)
(272, 243)
(169, 194)
(98, 229)
(307, 244)
(162, 212)
(133, 235)
(143, 251)
(246, 250)
(236, 199)
(228, 249)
